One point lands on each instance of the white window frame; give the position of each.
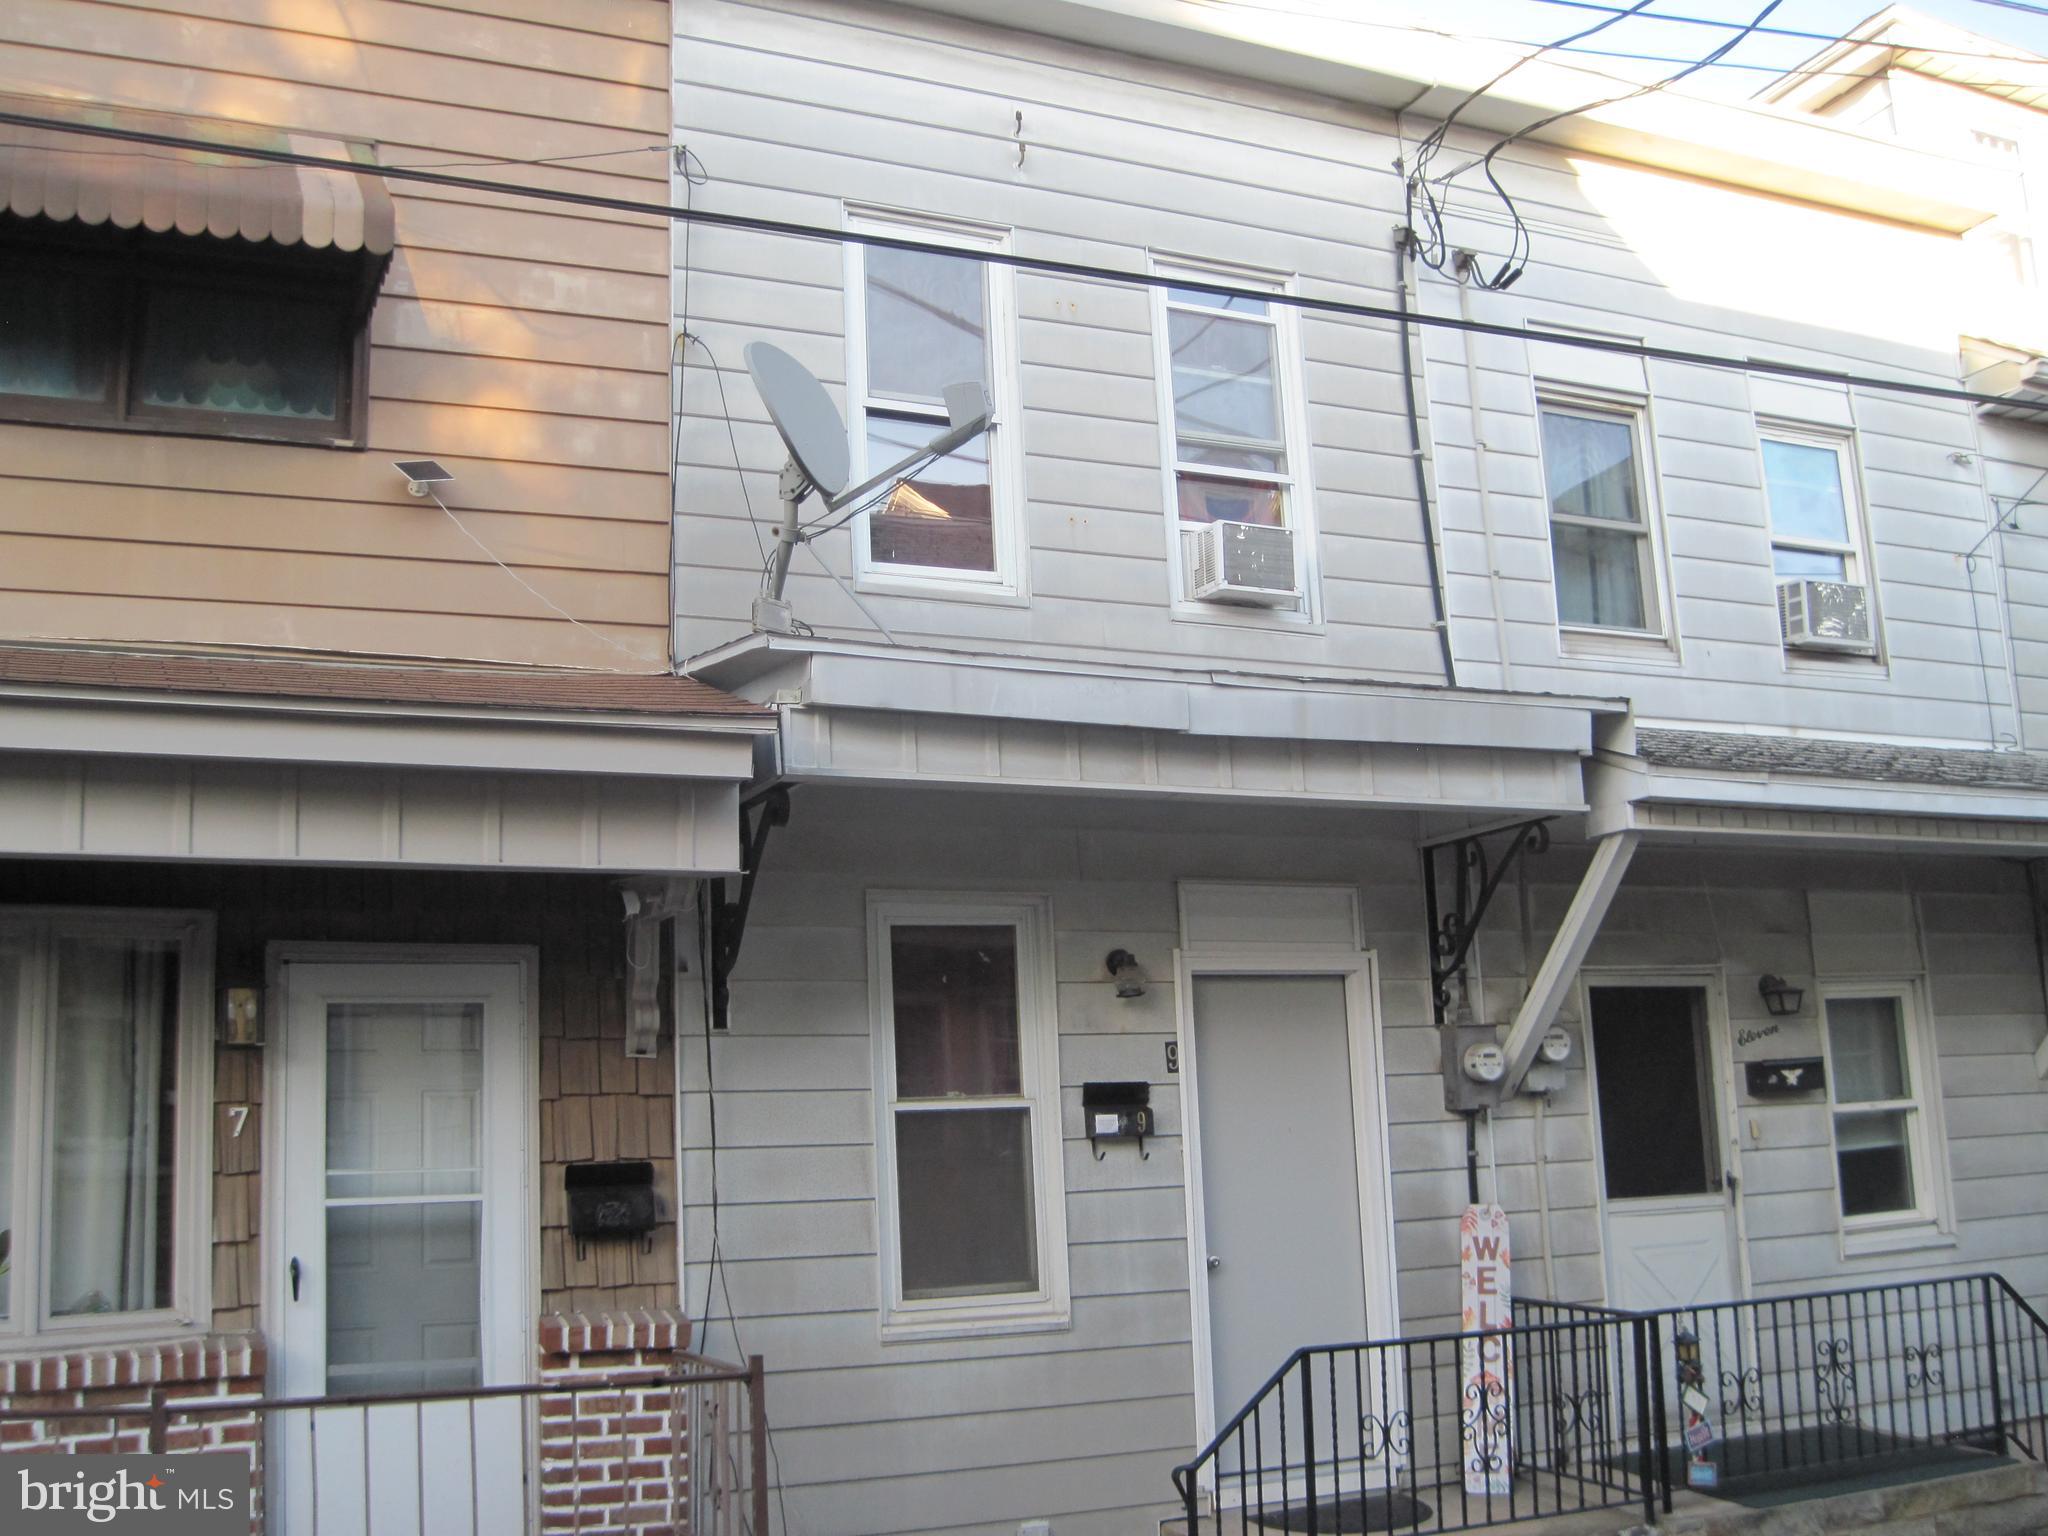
(1290, 379)
(1650, 563)
(29, 1328)
(1049, 1306)
(1004, 438)
(1929, 1220)
(1855, 554)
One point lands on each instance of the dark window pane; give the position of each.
(239, 353)
(55, 341)
(1876, 1162)
(113, 1068)
(1869, 1050)
(955, 992)
(964, 1202)
(1599, 576)
(1809, 562)
(1656, 1106)
(943, 516)
(1203, 500)
(403, 1309)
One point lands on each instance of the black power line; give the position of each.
(1047, 266)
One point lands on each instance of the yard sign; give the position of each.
(1483, 1374)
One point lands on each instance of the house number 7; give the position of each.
(238, 1116)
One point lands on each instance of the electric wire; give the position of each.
(1049, 266)
(1512, 266)
(546, 601)
(1769, 31)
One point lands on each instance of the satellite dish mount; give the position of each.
(814, 433)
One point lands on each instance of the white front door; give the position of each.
(406, 1226)
(1669, 1208)
(1287, 1141)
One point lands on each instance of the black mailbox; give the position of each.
(609, 1200)
(1117, 1112)
(1784, 1079)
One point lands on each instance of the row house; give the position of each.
(1606, 786)
(474, 927)
(337, 724)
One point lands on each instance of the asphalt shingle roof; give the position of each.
(1875, 761)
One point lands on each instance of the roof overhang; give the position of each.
(106, 773)
(854, 712)
(1748, 144)
(1693, 803)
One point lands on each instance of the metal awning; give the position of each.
(93, 181)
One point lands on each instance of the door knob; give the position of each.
(1215, 1262)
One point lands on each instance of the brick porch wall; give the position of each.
(611, 1463)
(217, 1369)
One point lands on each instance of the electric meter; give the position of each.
(1485, 1063)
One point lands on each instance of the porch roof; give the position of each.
(1700, 785)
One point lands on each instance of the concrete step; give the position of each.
(1997, 1501)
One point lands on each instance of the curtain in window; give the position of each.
(53, 335)
(1589, 466)
(113, 1060)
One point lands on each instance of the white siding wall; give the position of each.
(1083, 1426)
(798, 109)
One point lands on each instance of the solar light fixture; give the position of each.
(422, 475)
(819, 461)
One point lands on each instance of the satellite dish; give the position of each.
(804, 414)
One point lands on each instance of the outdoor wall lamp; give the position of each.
(1781, 999)
(240, 1021)
(1125, 971)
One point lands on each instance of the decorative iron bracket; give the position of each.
(1474, 878)
(728, 919)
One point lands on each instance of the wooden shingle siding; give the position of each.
(799, 110)
(523, 345)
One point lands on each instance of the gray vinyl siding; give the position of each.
(2013, 563)
(1082, 1425)
(798, 110)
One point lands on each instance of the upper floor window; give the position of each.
(967, 1110)
(917, 322)
(1602, 548)
(159, 291)
(1816, 529)
(103, 1056)
(1234, 432)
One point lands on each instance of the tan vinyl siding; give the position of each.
(524, 345)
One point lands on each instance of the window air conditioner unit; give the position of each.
(1247, 563)
(1825, 616)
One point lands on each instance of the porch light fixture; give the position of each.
(1781, 999)
(241, 1016)
(1125, 971)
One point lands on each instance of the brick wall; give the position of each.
(213, 1374)
(612, 1461)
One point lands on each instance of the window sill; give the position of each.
(145, 1331)
(163, 428)
(962, 588)
(1865, 1242)
(974, 1323)
(1586, 644)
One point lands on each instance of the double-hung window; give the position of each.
(1880, 1079)
(1809, 478)
(1602, 548)
(103, 1067)
(1229, 363)
(918, 321)
(967, 1116)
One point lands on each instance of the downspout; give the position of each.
(2037, 890)
(1479, 457)
(1404, 276)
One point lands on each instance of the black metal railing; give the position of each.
(1586, 1407)
(1440, 1433)
(1941, 1374)
(674, 1451)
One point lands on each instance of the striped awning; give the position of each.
(67, 177)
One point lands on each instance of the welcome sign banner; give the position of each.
(1483, 1375)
